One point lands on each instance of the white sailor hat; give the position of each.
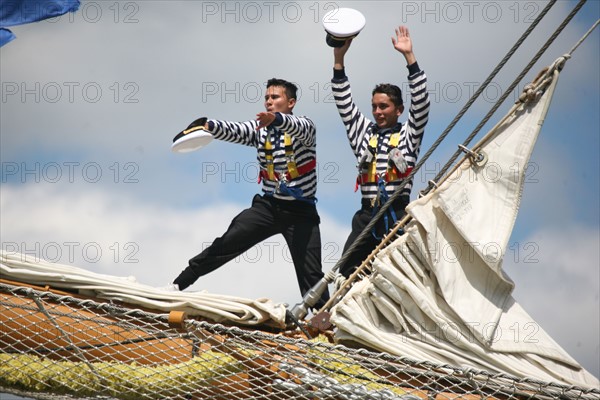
(342, 24)
(192, 138)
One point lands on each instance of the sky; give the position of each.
(91, 101)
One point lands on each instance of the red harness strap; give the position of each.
(302, 170)
(387, 177)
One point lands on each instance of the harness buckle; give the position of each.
(282, 176)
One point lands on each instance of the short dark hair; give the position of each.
(290, 88)
(393, 91)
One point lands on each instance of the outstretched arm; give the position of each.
(301, 128)
(234, 132)
(403, 43)
(264, 119)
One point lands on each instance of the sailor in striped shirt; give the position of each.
(385, 149)
(286, 153)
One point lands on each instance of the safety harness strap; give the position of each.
(389, 176)
(289, 156)
(383, 197)
(300, 170)
(270, 171)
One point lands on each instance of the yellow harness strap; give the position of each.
(372, 172)
(393, 143)
(269, 158)
(289, 156)
(391, 171)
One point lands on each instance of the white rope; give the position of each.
(584, 37)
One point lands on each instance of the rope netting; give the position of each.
(56, 345)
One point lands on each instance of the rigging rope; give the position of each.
(583, 37)
(445, 133)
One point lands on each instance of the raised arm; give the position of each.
(339, 53)
(355, 122)
(418, 112)
(403, 43)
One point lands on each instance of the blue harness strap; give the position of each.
(383, 197)
(296, 193)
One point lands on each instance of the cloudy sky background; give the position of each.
(91, 102)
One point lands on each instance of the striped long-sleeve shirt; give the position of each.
(359, 128)
(303, 133)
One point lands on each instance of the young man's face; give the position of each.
(385, 112)
(277, 101)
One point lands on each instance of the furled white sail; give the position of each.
(19, 267)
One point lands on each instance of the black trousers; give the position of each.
(297, 221)
(360, 220)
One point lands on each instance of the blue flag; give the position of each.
(18, 12)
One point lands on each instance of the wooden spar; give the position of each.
(56, 333)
